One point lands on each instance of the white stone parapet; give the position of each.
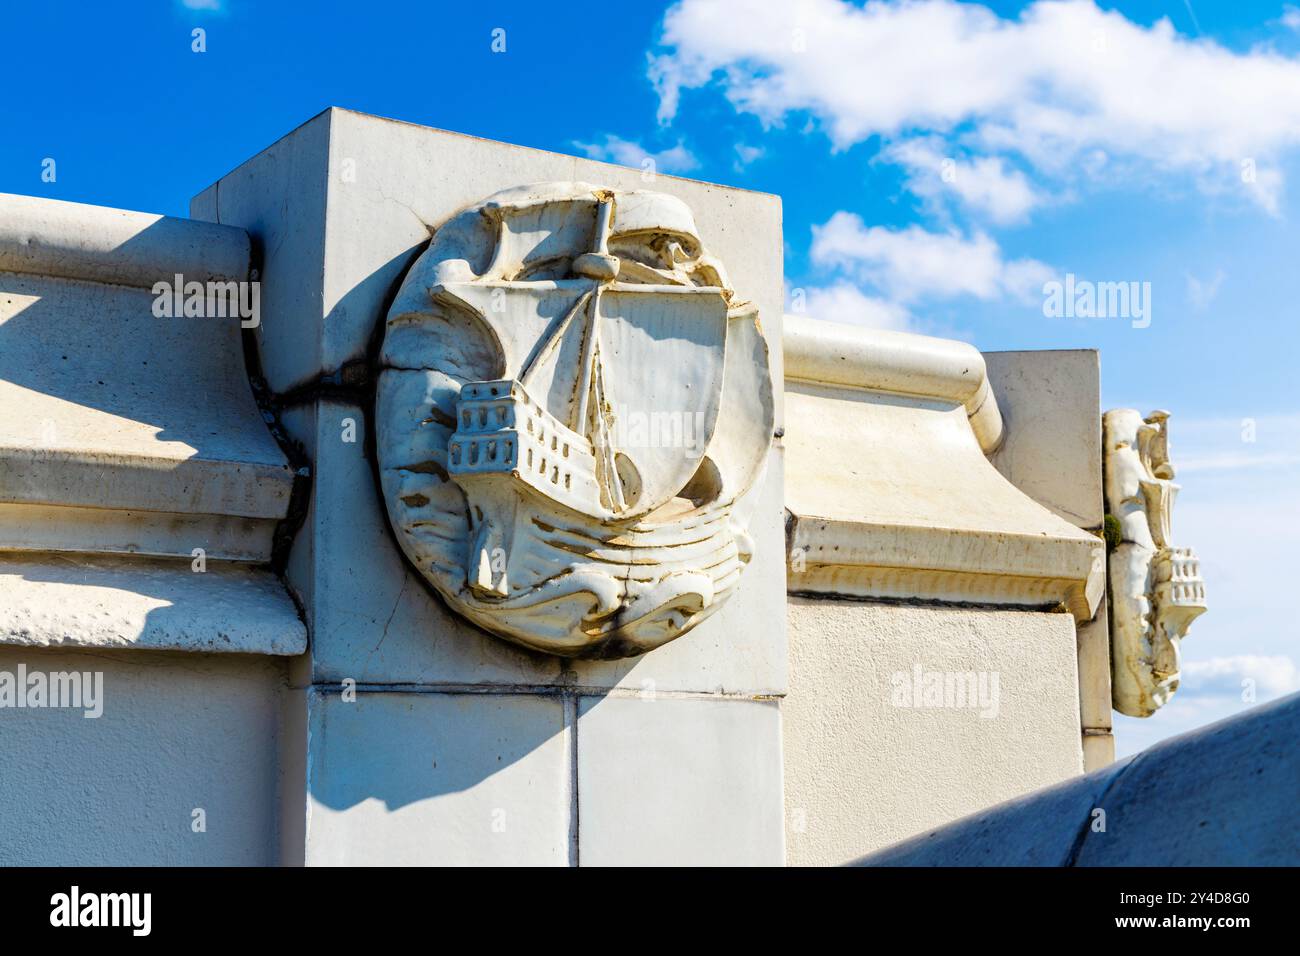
(889, 490)
(128, 429)
(70, 240)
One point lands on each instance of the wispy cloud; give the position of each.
(1236, 443)
(624, 152)
(1269, 676)
(913, 263)
(984, 184)
(1211, 690)
(1065, 87)
(746, 154)
(842, 301)
(1201, 292)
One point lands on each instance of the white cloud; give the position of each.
(614, 149)
(912, 263)
(1273, 676)
(844, 302)
(1055, 87)
(1291, 17)
(746, 154)
(1201, 292)
(1235, 462)
(213, 6)
(1236, 444)
(1210, 691)
(984, 184)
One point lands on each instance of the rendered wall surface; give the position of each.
(140, 493)
(862, 772)
(179, 732)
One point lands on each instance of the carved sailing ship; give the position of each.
(591, 309)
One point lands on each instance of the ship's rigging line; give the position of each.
(591, 380)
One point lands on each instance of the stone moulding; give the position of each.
(136, 434)
(572, 404)
(1156, 589)
(125, 434)
(896, 362)
(48, 237)
(889, 491)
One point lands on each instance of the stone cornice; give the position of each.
(139, 484)
(126, 432)
(48, 237)
(889, 491)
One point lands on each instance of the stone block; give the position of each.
(177, 733)
(870, 759)
(680, 781)
(435, 779)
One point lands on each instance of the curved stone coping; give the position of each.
(49, 600)
(108, 408)
(896, 362)
(1222, 795)
(99, 244)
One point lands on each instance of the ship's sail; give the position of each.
(636, 370)
(660, 413)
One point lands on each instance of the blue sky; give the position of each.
(937, 162)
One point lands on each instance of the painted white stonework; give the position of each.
(915, 559)
(1156, 589)
(891, 494)
(141, 493)
(572, 401)
(140, 489)
(342, 209)
(1052, 452)
(937, 519)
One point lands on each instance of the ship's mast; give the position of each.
(601, 267)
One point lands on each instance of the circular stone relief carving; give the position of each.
(571, 402)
